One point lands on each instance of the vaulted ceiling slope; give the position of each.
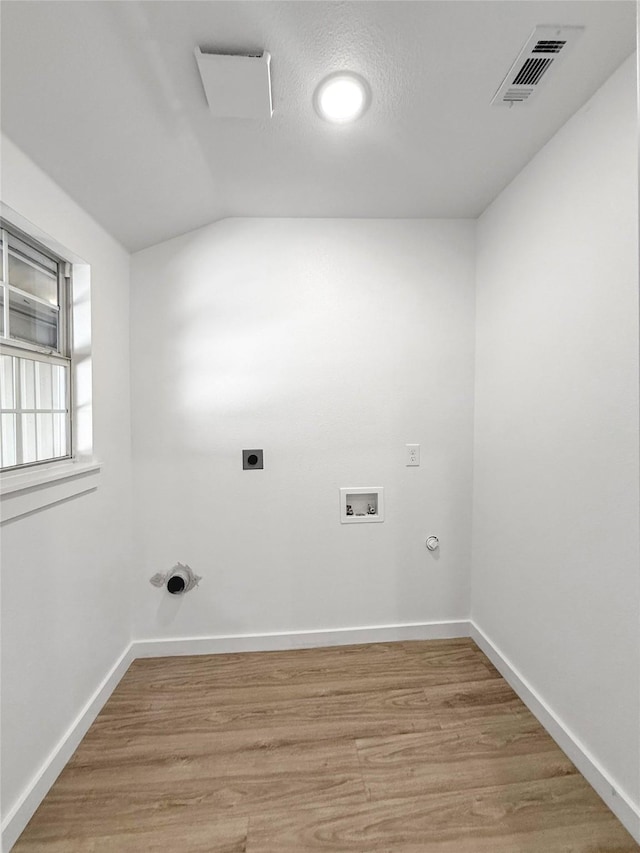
(106, 98)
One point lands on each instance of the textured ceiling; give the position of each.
(106, 98)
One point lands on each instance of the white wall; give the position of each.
(555, 580)
(65, 603)
(330, 344)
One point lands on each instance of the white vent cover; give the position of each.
(236, 86)
(543, 52)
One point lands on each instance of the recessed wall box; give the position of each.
(252, 460)
(236, 86)
(361, 504)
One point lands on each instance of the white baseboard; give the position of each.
(620, 804)
(284, 640)
(22, 812)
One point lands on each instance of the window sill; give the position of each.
(23, 492)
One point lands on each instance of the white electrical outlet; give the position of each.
(413, 454)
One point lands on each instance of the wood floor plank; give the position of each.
(334, 717)
(269, 676)
(179, 754)
(320, 687)
(28, 844)
(226, 835)
(490, 753)
(219, 836)
(549, 816)
(229, 781)
(140, 748)
(264, 669)
(471, 700)
(270, 752)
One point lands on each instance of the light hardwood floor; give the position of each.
(416, 747)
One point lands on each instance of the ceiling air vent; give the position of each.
(543, 52)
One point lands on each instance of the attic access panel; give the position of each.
(236, 85)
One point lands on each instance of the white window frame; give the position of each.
(33, 486)
(61, 355)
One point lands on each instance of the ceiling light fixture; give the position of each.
(342, 97)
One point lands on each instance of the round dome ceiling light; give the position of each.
(342, 97)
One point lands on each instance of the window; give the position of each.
(35, 363)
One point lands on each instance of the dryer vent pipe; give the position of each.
(178, 580)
